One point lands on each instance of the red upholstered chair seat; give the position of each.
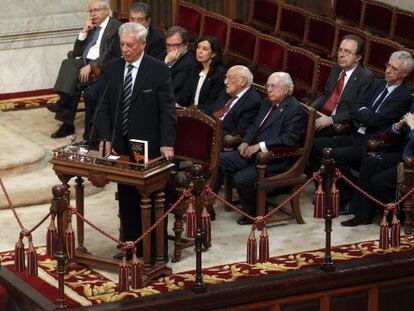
(291, 23)
(348, 10)
(241, 46)
(379, 51)
(270, 57)
(189, 16)
(216, 25)
(263, 15)
(377, 17)
(198, 141)
(302, 66)
(320, 34)
(324, 68)
(403, 27)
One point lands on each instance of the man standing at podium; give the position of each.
(138, 104)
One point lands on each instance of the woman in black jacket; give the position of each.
(206, 82)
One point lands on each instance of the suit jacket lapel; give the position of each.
(139, 78)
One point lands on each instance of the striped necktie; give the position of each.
(126, 100)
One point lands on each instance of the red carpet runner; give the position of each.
(29, 99)
(86, 287)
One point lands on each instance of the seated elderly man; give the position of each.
(94, 42)
(281, 122)
(238, 106)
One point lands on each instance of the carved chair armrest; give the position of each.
(383, 142)
(231, 142)
(278, 152)
(343, 128)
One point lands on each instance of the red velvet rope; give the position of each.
(23, 231)
(260, 219)
(388, 206)
(131, 244)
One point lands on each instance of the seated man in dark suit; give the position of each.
(94, 42)
(347, 84)
(139, 12)
(238, 106)
(378, 175)
(180, 60)
(281, 122)
(389, 100)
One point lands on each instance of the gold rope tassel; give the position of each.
(70, 239)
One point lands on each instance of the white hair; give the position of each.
(244, 72)
(135, 28)
(406, 57)
(102, 3)
(285, 77)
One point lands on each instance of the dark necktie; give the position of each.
(222, 111)
(91, 43)
(332, 101)
(262, 124)
(126, 100)
(377, 104)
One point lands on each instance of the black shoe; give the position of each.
(54, 107)
(63, 131)
(65, 115)
(244, 221)
(128, 255)
(356, 221)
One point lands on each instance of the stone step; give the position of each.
(19, 155)
(36, 188)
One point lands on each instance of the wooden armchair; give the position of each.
(198, 141)
(292, 178)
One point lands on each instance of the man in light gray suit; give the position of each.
(94, 42)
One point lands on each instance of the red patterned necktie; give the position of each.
(222, 111)
(333, 99)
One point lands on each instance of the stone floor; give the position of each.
(28, 178)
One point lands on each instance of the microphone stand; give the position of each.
(95, 114)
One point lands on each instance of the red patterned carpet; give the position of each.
(86, 287)
(29, 99)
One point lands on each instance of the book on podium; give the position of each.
(139, 150)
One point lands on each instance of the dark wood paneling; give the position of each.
(352, 301)
(397, 297)
(313, 305)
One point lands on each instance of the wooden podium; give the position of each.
(150, 179)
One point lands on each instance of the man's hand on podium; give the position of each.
(105, 149)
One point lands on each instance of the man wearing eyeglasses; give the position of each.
(94, 42)
(281, 122)
(388, 100)
(180, 60)
(348, 82)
